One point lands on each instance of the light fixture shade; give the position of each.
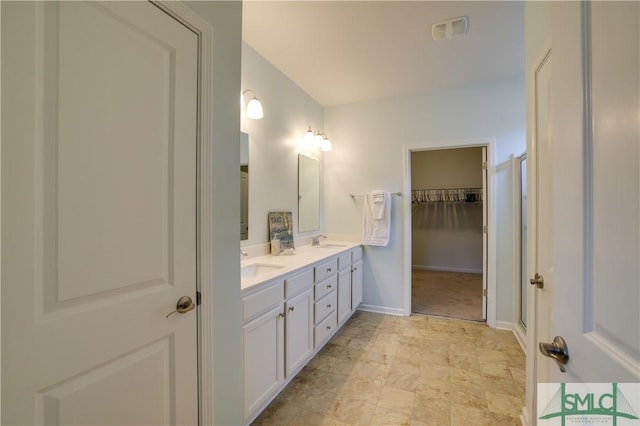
(326, 145)
(308, 136)
(317, 139)
(254, 109)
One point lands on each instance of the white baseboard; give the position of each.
(447, 269)
(504, 325)
(524, 416)
(382, 310)
(520, 337)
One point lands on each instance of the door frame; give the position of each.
(204, 222)
(530, 408)
(490, 144)
(520, 264)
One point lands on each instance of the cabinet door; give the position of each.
(299, 330)
(344, 295)
(263, 355)
(356, 284)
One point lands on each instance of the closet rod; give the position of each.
(399, 194)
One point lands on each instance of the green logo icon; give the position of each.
(587, 404)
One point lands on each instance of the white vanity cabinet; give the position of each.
(263, 345)
(356, 278)
(288, 318)
(326, 300)
(344, 287)
(298, 321)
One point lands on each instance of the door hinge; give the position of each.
(484, 165)
(485, 229)
(198, 298)
(484, 292)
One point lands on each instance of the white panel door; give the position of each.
(98, 214)
(594, 182)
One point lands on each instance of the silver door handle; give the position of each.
(537, 280)
(557, 350)
(184, 305)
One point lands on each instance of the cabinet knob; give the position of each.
(329, 306)
(281, 314)
(328, 285)
(354, 269)
(328, 327)
(292, 308)
(328, 269)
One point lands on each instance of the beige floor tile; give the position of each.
(384, 416)
(468, 395)
(382, 370)
(353, 411)
(466, 377)
(490, 355)
(396, 399)
(464, 415)
(497, 368)
(464, 361)
(408, 382)
(430, 411)
(504, 404)
(363, 388)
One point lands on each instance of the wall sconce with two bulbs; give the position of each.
(254, 107)
(318, 139)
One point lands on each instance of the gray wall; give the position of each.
(368, 154)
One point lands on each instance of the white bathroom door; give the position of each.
(98, 215)
(594, 184)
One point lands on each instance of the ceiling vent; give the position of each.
(449, 28)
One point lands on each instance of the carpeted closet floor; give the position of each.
(447, 294)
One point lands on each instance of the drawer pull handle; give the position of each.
(329, 306)
(281, 314)
(328, 285)
(328, 327)
(292, 308)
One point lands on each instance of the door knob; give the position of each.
(557, 350)
(537, 280)
(184, 305)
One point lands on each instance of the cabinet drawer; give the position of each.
(259, 302)
(356, 254)
(326, 328)
(344, 261)
(326, 287)
(325, 306)
(298, 282)
(326, 269)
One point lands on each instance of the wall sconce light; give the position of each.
(317, 138)
(254, 107)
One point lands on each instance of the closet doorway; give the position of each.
(448, 233)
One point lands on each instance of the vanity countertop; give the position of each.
(275, 266)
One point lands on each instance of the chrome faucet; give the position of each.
(243, 253)
(315, 241)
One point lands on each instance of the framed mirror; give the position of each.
(308, 194)
(244, 186)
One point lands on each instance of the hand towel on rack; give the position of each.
(376, 220)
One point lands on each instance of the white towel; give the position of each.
(376, 221)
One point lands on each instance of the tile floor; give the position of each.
(447, 294)
(388, 370)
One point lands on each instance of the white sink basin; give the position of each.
(330, 245)
(255, 269)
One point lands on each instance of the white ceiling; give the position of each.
(342, 52)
